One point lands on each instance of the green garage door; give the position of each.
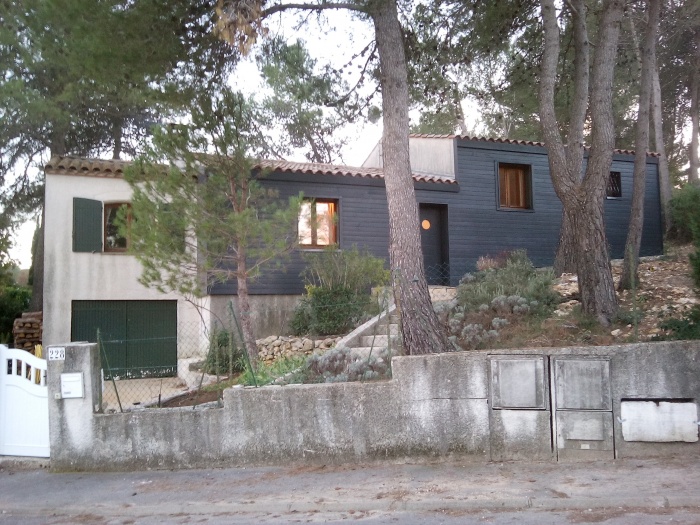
(139, 337)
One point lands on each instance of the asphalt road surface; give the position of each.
(623, 492)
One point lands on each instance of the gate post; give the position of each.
(75, 394)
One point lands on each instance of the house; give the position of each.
(475, 196)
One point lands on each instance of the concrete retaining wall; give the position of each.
(436, 406)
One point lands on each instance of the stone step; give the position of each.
(364, 352)
(382, 329)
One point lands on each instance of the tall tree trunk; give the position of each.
(243, 307)
(117, 137)
(659, 146)
(422, 332)
(694, 173)
(582, 199)
(565, 258)
(636, 223)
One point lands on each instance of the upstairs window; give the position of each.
(95, 226)
(514, 186)
(318, 223)
(113, 240)
(614, 189)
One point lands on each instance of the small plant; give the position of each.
(341, 365)
(328, 311)
(688, 327)
(224, 356)
(685, 213)
(290, 368)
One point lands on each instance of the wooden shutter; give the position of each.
(87, 225)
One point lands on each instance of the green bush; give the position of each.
(290, 368)
(338, 291)
(328, 311)
(13, 301)
(685, 213)
(518, 277)
(687, 327)
(353, 269)
(224, 356)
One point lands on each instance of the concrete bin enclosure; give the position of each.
(537, 404)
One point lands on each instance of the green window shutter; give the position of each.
(87, 225)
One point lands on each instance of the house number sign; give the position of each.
(57, 353)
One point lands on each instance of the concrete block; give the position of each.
(518, 382)
(521, 435)
(456, 375)
(582, 384)
(661, 421)
(584, 435)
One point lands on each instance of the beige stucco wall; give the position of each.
(72, 276)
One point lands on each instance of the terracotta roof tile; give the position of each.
(115, 169)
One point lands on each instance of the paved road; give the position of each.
(614, 493)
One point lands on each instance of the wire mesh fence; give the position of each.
(145, 372)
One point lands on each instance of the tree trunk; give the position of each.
(244, 313)
(636, 223)
(117, 137)
(664, 176)
(693, 174)
(582, 199)
(421, 329)
(565, 259)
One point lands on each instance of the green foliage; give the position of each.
(687, 327)
(341, 365)
(685, 212)
(209, 212)
(328, 311)
(13, 301)
(288, 369)
(338, 290)
(517, 278)
(224, 355)
(359, 271)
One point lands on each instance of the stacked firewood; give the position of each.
(27, 330)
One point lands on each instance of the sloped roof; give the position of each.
(512, 141)
(115, 169)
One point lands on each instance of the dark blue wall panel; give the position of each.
(476, 226)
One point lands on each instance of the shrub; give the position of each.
(290, 368)
(340, 365)
(224, 355)
(337, 291)
(352, 269)
(14, 300)
(517, 278)
(687, 327)
(328, 311)
(685, 213)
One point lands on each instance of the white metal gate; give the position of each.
(24, 404)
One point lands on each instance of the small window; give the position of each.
(318, 223)
(515, 186)
(113, 240)
(614, 190)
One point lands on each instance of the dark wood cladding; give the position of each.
(476, 225)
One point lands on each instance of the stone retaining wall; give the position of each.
(274, 347)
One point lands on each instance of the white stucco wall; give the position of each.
(72, 276)
(429, 156)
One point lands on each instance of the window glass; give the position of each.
(515, 186)
(318, 222)
(113, 241)
(614, 189)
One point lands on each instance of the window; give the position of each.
(614, 189)
(113, 240)
(318, 223)
(95, 227)
(514, 186)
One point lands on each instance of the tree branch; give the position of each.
(311, 7)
